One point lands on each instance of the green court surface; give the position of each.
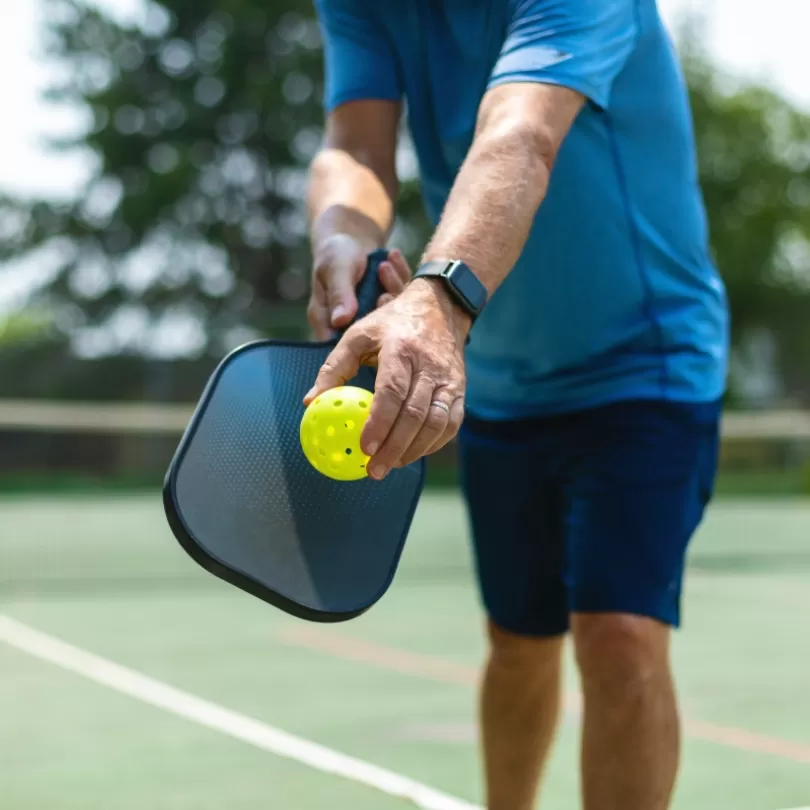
(395, 688)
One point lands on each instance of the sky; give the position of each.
(770, 45)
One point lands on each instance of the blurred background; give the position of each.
(152, 175)
(152, 171)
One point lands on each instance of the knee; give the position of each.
(514, 652)
(620, 656)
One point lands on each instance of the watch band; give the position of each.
(464, 286)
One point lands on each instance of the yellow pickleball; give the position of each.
(330, 432)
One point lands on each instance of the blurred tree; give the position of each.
(754, 152)
(24, 327)
(190, 233)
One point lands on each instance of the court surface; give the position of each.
(197, 696)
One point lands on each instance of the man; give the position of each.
(557, 163)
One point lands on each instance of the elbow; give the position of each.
(531, 140)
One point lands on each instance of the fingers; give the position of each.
(433, 428)
(339, 265)
(394, 277)
(341, 300)
(418, 403)
(390, 279)
(391, 390)
(318, 312)
(339, 268)
(415, 417)
(454, 420)
(343, 362)
(399, 268)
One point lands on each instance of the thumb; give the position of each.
(343, 362)
(340, 291)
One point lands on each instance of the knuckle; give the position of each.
(436, 420)
(391, 391)
(359, 339)
(332, 366)
(414, 412)
(442, 371)
(395, 387)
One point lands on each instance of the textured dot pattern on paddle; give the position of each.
(251, 499)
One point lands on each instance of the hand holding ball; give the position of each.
(330, 432)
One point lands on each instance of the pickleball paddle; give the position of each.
(246, 504)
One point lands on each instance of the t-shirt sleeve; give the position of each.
(359, 61)
(579, 44)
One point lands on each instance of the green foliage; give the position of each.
(754, 151)
(24, 327)
(201, 122)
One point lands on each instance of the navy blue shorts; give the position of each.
(587, 512)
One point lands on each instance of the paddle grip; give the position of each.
(369, 290)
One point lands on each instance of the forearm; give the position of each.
(346, 196)
(491, 208)
(505, 177)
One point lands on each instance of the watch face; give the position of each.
(468, 286)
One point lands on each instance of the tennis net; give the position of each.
(79, 443)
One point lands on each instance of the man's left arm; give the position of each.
(504, 179)
(557, 55)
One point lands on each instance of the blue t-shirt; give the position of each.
(615, 296)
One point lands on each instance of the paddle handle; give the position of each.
(369, 290)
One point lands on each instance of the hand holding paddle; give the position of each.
(417, 342)
(340, 263)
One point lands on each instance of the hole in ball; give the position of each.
(350, 425)
(348, 451)
(338, 403)
(363, 403)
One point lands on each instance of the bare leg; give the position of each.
(631, 735)
(519, 708)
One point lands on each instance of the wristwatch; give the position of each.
(462, 284)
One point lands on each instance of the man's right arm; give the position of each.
(353, 183)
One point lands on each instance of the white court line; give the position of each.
(210, 715)
(204, 713)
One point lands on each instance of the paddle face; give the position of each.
(245, 503)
